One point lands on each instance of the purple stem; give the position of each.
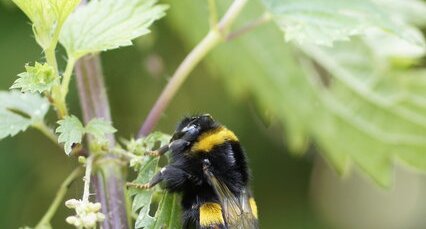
(109, 179)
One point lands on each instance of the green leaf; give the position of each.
(47, 17)
(167, 213)
(108, 24)
(7, 3)
(348, 99)
(18, 111)
(143, 198)
(322, 22)
(37, 78)
(70, 132)
(98, 128)
(413, 11)
(12, 123)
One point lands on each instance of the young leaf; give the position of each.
(98, 128)
(47, 17)
(108, 24)
(18, 111)
(322, 22)
(70, 132)
(37, 78)
(167, 213)
(355, 111)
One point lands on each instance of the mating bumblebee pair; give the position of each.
(208, 166)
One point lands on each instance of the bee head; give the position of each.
(192, 127)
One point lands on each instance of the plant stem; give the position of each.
(87, 175)
(58, 198)
(188, 64)
(56, 95)
(109, 179)
(213, 13)
(51, 58)
(266, 17)
(59, 93)
(92, 92)
(43, 128)
(67, 78)
(211, 40)
(230, 16)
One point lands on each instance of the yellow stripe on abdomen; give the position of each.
(210, 139)
(253, 206)
(211, 214)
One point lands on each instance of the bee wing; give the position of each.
(236, 209)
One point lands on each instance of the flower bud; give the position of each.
(73, 220)
(89, 220)
(93, 207)
(100, 217)
(82, 160)
(72, 203)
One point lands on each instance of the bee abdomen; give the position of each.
(211, 216)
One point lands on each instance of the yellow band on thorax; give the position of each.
(211, 214)
(210, 139)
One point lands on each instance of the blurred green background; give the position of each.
(292, 192)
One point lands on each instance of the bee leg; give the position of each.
(158, 152)
(157, 178)
(173, 177)
(177, 145)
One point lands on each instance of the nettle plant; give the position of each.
(348, 77)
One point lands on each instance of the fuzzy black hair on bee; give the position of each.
(209, 167)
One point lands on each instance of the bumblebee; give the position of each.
(209, 167)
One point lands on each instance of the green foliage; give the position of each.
(98, 128)
(324, 21)
(108, 24)
(343, 97)
(366, 109)
(168, 211)
(412, 11)
(18, 111)
(37, 78)
(167, 214)
(71, 131)
(47, 17)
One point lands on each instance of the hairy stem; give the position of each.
(45, 221)
(56, 97)
(51, 58)
(109, 178)
(212, 39)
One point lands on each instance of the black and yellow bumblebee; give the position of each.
(209, 167)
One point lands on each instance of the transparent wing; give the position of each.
(237, 211)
